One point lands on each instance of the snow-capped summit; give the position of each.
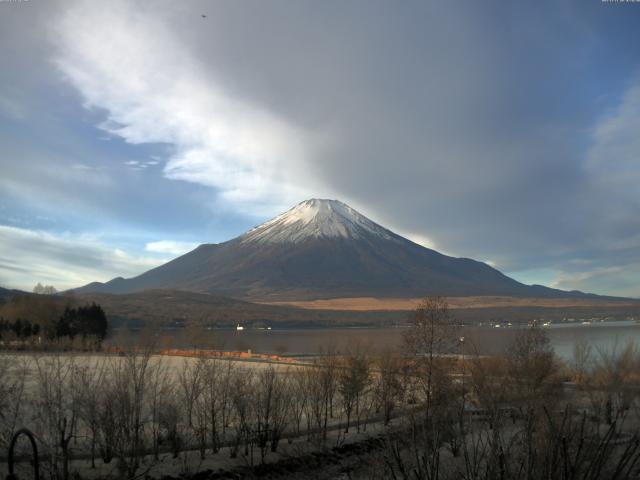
(316, 218)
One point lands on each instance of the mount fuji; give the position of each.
(323, 249)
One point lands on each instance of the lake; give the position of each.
(485, 340)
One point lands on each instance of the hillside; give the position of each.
(164, 308)
(173, 307)
(8, 293)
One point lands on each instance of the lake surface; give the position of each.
(484, 340)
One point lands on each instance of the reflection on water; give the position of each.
(484, 340)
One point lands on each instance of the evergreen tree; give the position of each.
(86, 321)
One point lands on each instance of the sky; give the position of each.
(507, 132)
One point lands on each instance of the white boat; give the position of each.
(239, 327)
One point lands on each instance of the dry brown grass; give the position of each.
(371, 303)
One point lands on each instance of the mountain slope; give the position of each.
(323, 249)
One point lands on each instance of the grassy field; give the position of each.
(403, 304)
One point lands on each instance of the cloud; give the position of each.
(128, 62)
(170, 246)
(609, 254)
(613, 160)
(65, 260)
(421, 240)
(12, 109)
(619, 280)
(519, 147)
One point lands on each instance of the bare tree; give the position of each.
(614, 375)
(353, 380)
(281, 416)
(200, 420)
(129, 382)
(321, 383)
(13, 373)
(297, 380)
(191, 385)
(432, 335)
(212, 395)
(488, 387)
(241, 396)
(218, 382)
(170, 418)
(57, 407)
(581, 361)
(388, 383)
(91, 380)
(429, 343)
(531, 364)
(270, 409)
(107, 420)
(44, 289)
(160, 387)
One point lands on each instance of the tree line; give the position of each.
(89, 321)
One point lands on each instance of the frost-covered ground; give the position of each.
(176, 399)
(189, 462)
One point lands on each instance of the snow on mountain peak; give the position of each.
(315, 218)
